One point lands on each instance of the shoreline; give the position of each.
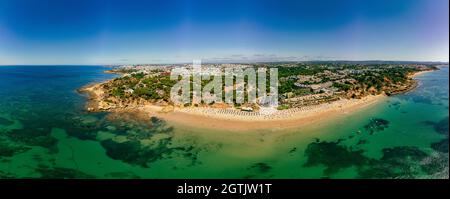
(298, 118)
(232, 119)
(421, 73)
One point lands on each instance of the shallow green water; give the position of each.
(45, 132)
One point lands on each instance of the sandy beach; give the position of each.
(233, 119)
(420, 73)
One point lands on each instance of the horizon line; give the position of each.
(231, 62)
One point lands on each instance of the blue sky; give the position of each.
(132, 31)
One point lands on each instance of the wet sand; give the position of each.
(204, 118)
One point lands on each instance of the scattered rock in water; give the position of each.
(156, 126)
(37, 158)
(62, 173)
(84, 127)
(395, 105)
(293, 150)
(436, 166)
(111, 128)
(145, 140)
(442, 127)
(422, 99)
(5, 122)
(191, 153)
(129, 152)
(122, 175)
(34, 137)
(88, 120)
(248, 177)
(82, 133)
(407, 152)
(431, 123)
(362, 141)
(441, 146)
(376, 125)
(334, 156)
(397, 162)
(133, 152)
(10, 149)
(35, 132)
(260, 167)
(7, 175)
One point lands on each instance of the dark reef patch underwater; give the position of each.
(333, 155)
(397, 162)
(376, 125)
(156, 135)
(5, 122)
(62, 173)
(441, 127)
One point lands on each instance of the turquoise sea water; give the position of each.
(46, 133)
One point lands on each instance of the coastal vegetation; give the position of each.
(300, 84)
(140, 85)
